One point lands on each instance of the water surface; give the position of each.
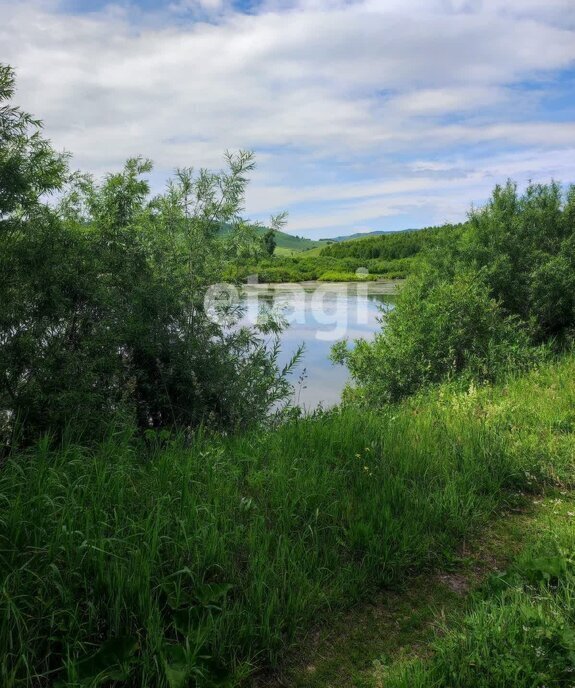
(318, 315)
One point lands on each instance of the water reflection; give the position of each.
(318, 316)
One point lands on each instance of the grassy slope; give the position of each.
(230, 549)
(387, 256)
(360, 647)
(519, 630)
(427, 633)
(312, 252)
(455, 629)
(288, 243)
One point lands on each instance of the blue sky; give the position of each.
(364, 115)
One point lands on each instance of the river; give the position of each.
(318, 315)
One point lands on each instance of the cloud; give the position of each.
(339, 100)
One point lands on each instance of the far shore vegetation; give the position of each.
(168, 519)
(385, 256)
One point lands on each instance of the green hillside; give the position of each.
(388, 246)
(286, 244)
(364, 235)
(385, 256)
(289, 243)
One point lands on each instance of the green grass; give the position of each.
(313, 252)
(295, 244)
(290, 244)
(335, 276)
(356, 648)
(199, 564)
(286, 244)
(520, 631)
(281, 251)
(313, 265)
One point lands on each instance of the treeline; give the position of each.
(387, 247)
(388, 256)
(496, 295)
(300, 268)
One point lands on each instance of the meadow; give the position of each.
(169, 564)
(517, 628)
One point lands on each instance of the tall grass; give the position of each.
(519, 632)
(192, 565)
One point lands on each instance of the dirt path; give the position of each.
(401, 624)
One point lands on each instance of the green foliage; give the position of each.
(438, 330)
(216, 556)
(389, 256)
(303, 268)
(334, 276)
(156, 559)
(552, 292)
(515, 641)
(488, 297)
(388, 247)
(28, 165)
(102, 309)
(269, 242)
(286, 244)
(519, 242)
(520, 633)
(111, 661)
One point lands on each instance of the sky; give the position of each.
(363, 115)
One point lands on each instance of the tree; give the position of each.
(269, 242)
(102, 309)
(486, 297)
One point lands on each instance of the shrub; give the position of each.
(334, 276)
(438, 330)
(102, 309)
(489, 296)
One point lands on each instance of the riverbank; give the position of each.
(369, 287)
(211, 560)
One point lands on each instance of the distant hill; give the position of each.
(322, 244)
(385, 255)
(291, 244)
(388, 245)
(287, 244)
(363, 235)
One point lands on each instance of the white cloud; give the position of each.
(442, 101)
(328, 92)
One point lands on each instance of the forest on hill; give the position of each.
(384, 256)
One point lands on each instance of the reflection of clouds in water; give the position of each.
(319, 313)
(318, 319)
(322, 386)
(362, 333)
